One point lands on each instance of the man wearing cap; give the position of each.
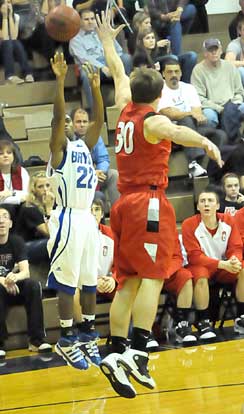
(219, 87)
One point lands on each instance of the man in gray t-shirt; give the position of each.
(235, 50)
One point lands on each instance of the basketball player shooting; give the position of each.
(74, 238)
(142, 220)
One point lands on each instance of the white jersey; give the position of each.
(74, 181)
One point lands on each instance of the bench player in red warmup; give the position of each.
(143, 220)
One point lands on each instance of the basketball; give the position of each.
(62, 23)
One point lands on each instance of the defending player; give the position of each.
(142, 220)
(73, 230)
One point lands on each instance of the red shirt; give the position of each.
(139, 162)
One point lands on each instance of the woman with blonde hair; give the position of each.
(32, 223)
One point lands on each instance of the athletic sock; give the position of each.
(181, 314)
(119, 344)
(139, 339)
(240, 309)
(202, 315)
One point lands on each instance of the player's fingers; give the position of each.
(98, 20)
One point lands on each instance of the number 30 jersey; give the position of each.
(74, 181)
(139, 162)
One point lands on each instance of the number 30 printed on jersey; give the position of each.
(124, 137)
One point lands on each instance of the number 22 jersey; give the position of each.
(139, 162)
(74, 181)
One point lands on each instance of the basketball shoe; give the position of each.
(239, 325)
(205, 330)
(184, 334)
(135, 363)
(117, 376)
(89, 348)
(68, 349)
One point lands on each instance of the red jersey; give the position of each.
(205, 249)
(139, 162)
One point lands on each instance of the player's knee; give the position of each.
(201, 283)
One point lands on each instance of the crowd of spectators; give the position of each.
(193, 95)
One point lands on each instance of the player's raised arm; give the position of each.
(107, 35)
(95, 126)
(159, 127)
(58, 141)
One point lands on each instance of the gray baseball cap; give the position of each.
(209, 43)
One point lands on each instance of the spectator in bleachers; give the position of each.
(140, 22)
(219, 87)
(149, 49)
(235, 49)
(14, 179)
(11, 48)
(86, 47)
(17, 288)
(171, 18)
(181, 104)
(157, 52)
(107, 177)
(214, 251)
(233, 31)
(233, 200)
(33, 216)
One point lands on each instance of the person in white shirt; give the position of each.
(181, 104)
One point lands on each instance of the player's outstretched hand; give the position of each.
(213, 152)
(93, 75)
(104, 29)
(59, 65)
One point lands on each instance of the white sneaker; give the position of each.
(117, 376)
(15, 80)
(2, 354)
(196, 170)
(29, 78)
(135, 362)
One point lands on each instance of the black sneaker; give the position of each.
(239, 325)
(205, 330)
(135, 363)
(184, 333)
(152, 344)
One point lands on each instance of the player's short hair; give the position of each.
(210, 189)
(146, 85)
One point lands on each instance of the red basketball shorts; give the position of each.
(144, 228)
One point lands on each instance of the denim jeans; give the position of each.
(212, 117)
(13, 50)
(184, 25)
